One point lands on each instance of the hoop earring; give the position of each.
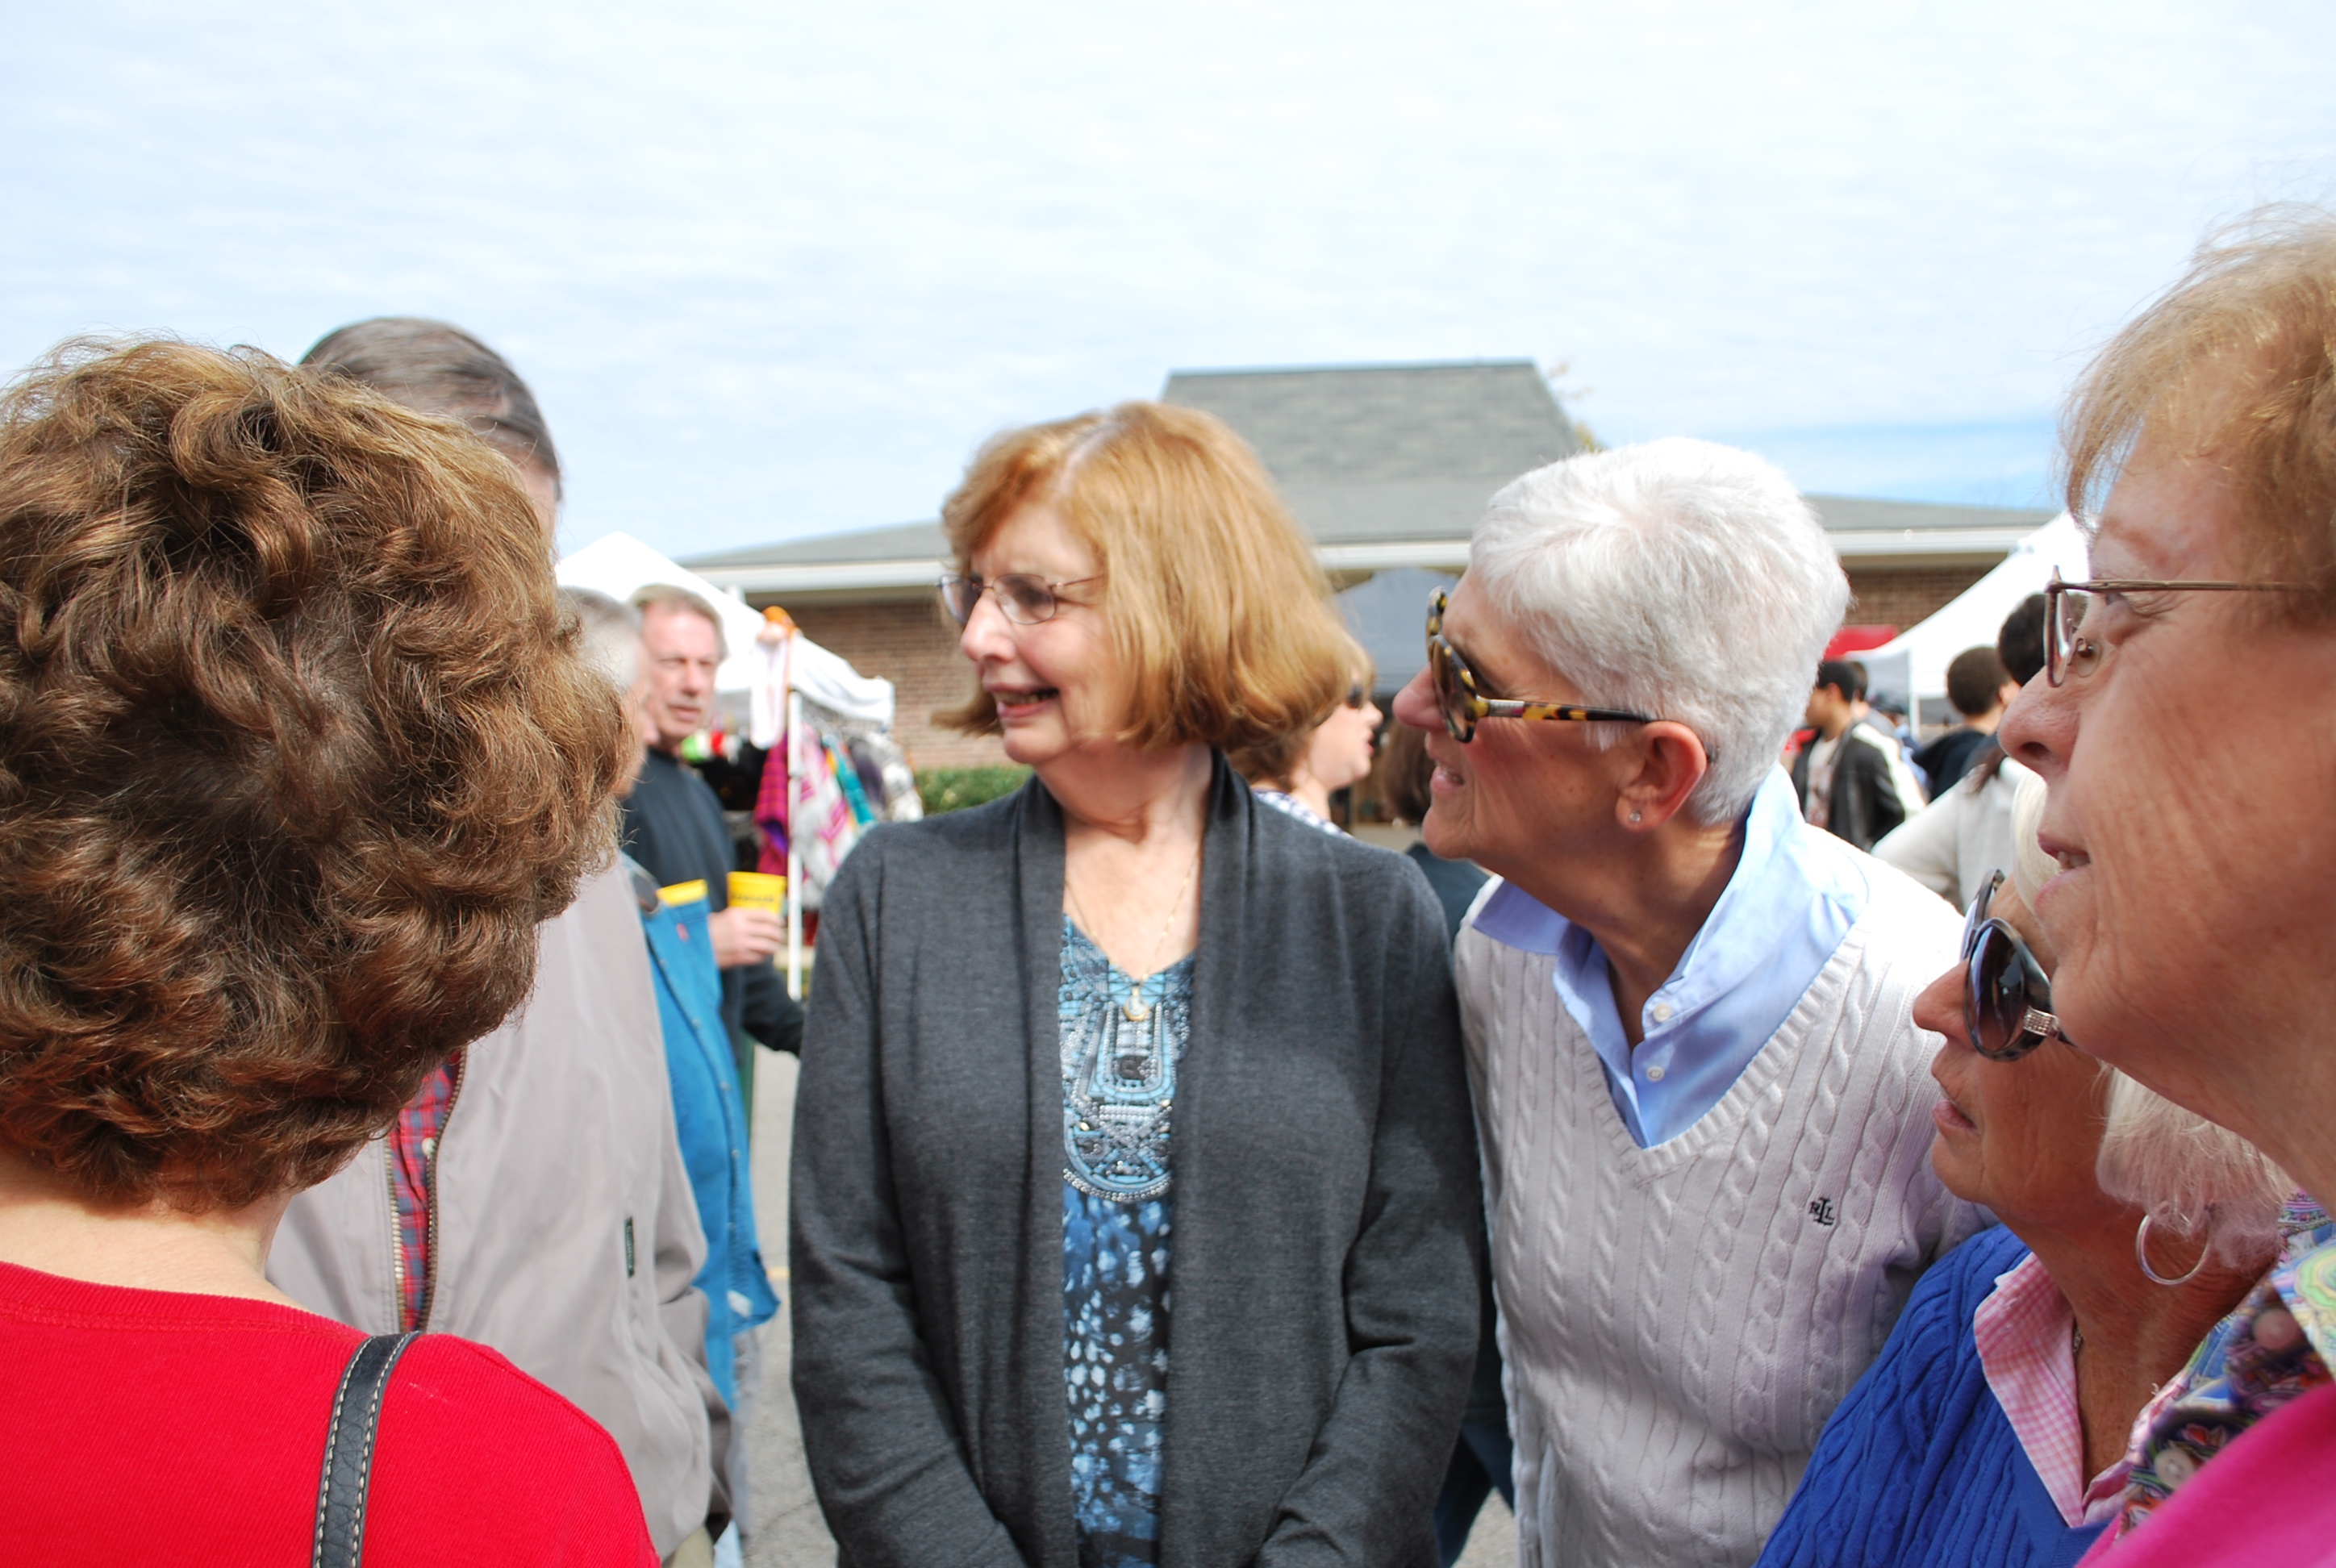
(2141, 1256)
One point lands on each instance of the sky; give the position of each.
(776, 270)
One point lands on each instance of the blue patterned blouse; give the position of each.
(1119, 1084)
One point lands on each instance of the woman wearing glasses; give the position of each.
(2183, 730)
(1993, 1430)
(1297, 772)
(1704, 1100)
(1134, 1196)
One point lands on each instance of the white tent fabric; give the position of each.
(620, 566)
(1914, 663)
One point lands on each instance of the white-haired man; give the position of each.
(1704, 1104)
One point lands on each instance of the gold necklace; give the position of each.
(1135, 1008)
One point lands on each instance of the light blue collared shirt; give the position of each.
(1793, 897)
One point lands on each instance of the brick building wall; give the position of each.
(909, 643)
(913, 645)
(1904, 597)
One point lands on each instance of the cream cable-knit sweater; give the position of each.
(1678, 1321)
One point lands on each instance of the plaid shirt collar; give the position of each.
(2025, 1333)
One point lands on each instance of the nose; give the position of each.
(1939, 1008)
(988, 635)
(2039, 728)
(1415, 705)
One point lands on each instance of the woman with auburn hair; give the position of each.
(2183, 726)
(1037, 1320)
(295, 755)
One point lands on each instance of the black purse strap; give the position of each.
(348, 1451)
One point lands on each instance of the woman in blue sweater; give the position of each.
(1993, 1432)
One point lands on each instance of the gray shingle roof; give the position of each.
(1374, 424)
(1386, 466)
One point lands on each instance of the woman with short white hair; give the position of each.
(1702, 1095)
(1994, 1429)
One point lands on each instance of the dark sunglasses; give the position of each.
(1463, 706)
(1025, 601)
(2007, 1000)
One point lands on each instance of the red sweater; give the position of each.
(154, 1426)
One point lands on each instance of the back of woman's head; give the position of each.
(441, 369)
(1219, 613)
(1405, 771)
(295, 755)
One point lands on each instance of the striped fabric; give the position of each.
(2024, 1331)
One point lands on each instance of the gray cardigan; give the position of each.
(1324, 1288)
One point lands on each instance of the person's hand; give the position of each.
(743, 936)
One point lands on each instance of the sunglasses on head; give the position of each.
(2007, 1000)
(1463, 706)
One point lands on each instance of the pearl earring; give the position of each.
(1634, 816)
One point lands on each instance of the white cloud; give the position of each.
(775, 270)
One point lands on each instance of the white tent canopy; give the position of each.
(620, 566)
(1914, 665)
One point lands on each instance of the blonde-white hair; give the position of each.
(1676, 577)
(2190, 1175)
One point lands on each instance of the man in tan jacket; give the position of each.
(559, 1227)
(532, 1196)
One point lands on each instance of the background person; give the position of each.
(2194, 911)
(1993, 1430)
(242, 922)
(1409, 771)
(1299, 773)
(1953, 844)
(675, 827)
(1000, 1239)
(531, 1193)
(1703, 1100)
(1977, 686)
(1845, 777)
(710, 1111)
(1481, 1460)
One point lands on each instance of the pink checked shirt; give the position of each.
(2024, 1331)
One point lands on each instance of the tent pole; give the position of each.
(794, 854)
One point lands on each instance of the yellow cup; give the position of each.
(758, 891)
(687, 892)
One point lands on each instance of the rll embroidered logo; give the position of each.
(1820, 1210)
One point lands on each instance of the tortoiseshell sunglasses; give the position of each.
(1463, 706)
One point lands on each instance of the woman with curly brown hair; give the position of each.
(295, 757)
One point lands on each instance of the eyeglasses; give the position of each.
(1024, 600)
(2007, 1000)
(2069, 652)
(1463, 706)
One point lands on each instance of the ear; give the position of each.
(1671, 761)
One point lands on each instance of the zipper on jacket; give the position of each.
(396, 1243)
(454, 1094)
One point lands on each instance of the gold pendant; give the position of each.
(1135, 1011)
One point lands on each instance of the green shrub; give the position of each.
(952, 789)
